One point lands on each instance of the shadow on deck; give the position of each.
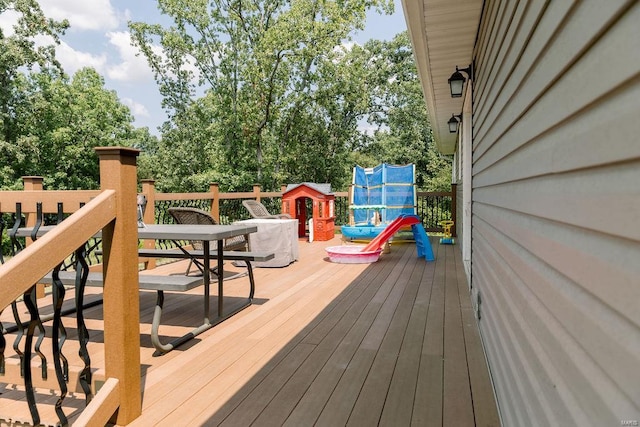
(389, 343)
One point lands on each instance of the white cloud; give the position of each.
(347, 46)
(71, 59)
(137, 109)
(366, 128)
(189, 64)
(132, 67)
(82, 14)
(7, 20)
(341, 50)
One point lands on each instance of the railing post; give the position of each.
(149, 191)
(120, 269)
(454, 213)
(33, 183)
(285, 206)
(352, 220)
(214, 189)
(256, 192)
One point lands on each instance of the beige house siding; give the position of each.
(556, 209)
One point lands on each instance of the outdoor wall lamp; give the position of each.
(453, 122)
(456, 81)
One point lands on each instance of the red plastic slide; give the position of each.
(390, 230)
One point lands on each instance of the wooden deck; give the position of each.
(389, 343)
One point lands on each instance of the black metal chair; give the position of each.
(185, 215)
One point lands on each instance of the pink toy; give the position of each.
(352, 254)
(358, 254)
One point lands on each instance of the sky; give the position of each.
(99, 37)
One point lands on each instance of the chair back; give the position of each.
(258, 210)
(141, 201)
(186, 215)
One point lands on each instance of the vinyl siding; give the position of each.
(556, 209)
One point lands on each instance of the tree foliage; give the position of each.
(19, 51)
(58, 123)
(50, 123)
(246, 86)
(269, 92)
(402, 131)
(264, 92)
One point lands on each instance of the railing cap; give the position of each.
(117, 151)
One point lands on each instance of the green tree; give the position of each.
(59, 123)
(398, 114)
(317, 137)
(18, 51)
(244, 86)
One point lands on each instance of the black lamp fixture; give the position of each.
(453, 122)
(456, 81)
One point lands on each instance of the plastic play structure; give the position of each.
(447, 239)
(379, 195)
(359, 254)
(321, 225)
(352, 254)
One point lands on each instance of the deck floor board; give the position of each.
(399, 402)
(392, 343)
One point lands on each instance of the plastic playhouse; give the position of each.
(378, 196)
(294, 203)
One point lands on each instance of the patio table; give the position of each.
(207, 234)
(179, 232)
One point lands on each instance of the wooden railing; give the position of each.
(113, 211)
(432, 208)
